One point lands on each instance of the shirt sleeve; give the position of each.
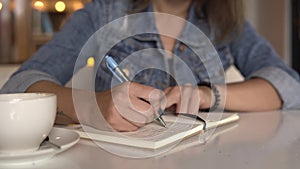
(56, 60)
(255, 57)
(24, 79)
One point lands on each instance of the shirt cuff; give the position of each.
(21, 81)
(287, 87)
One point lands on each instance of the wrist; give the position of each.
(206, 97)
(65, 110)
(212, 101)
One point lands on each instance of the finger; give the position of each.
(186, 93)
(167, 90)
(126, 126)
(171, 108)
(117, 122)
(188, 103)
(139, 111)
(141, 91)
(128, 105)
(172, 96)
(152, 95)
(158, 102)
(139, 104)
(132, 118)
(194, 101)
(148, 117)
(127, 89)
(167, 93)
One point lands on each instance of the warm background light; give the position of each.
(0, 6)
(77, 5)
(39, 5)
(60, 6)
(90, 62)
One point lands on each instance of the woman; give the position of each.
(269, 84)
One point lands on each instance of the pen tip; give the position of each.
(163, 122)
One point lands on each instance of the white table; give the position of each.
(259, 140)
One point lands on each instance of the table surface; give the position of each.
(257, 140)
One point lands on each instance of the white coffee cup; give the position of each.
(26, 119)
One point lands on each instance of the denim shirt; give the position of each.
(249, 52)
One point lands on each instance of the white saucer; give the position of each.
(62, 137)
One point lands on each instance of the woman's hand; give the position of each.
(188, 99)
(124, 107)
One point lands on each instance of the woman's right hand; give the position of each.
(123, 108)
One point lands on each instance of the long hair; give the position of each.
(223, 16)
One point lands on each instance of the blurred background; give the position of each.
(25, 25)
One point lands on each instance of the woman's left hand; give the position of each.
(188, 99)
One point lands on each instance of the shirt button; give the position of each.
(182, 47)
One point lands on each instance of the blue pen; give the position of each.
(122, 77)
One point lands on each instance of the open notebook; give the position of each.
(154, 136)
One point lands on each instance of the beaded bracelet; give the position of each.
(216, 94)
